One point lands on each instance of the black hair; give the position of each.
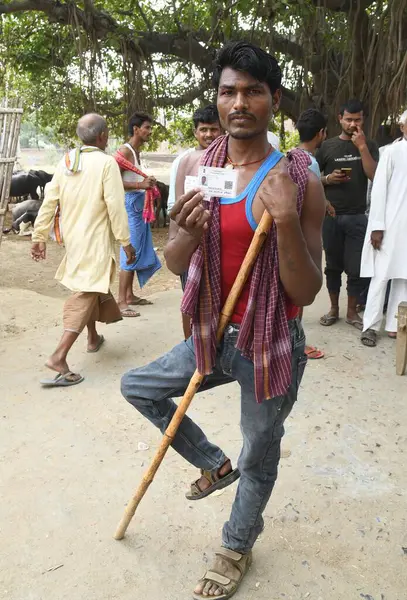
(310, 123)
(137, 119)
(351, 106)
(208, 114)
(246, 57)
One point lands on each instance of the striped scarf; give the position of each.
(150, 194)
(73, 158)
(264, 336)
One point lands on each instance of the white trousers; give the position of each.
(373, 316)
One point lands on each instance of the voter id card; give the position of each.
(191, 182)
(217, 182)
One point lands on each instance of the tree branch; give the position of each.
(287, 46)
(187, 98)
(186, 46)
(89, 7)
(144, 17)
(22, 5)
(291, 103)
(343, 5)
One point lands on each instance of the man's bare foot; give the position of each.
(127, 311)
(137, 301)
(331, 317)
(353, 315)
(94, 343)
(93, 339)
(392, 335)
(56, 364)
(352, 318)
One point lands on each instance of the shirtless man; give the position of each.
(206, 129)
(135, 186)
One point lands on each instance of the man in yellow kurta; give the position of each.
(88, 189)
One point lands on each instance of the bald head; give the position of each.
(91, 128)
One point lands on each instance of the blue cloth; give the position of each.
(314, 166)
(147, 261)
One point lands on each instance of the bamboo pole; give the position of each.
(253, 251)
(10, 122)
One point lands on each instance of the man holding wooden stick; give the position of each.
(263, 346)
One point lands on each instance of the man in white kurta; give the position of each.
(88, 189)
(385, 249)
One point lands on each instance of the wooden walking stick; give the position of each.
(257, 242)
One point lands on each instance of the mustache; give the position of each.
(237, 115)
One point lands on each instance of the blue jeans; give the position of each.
(150, 389)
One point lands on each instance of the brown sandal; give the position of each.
(217, 482)
(229, 585)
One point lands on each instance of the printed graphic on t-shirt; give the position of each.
(348, 158)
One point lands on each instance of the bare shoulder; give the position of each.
(282, 165)
(314, 206)
(190, 163)
(127, 153)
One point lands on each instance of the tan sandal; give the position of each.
(217, 482)
(229, 585)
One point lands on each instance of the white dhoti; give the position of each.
(373, 316)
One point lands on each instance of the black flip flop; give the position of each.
(369, 338)
(355, 323)
(328, 320)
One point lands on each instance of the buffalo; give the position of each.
(25, 212)
(161, 204)
(44, 177)
(23, 185)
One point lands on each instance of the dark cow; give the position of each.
(23, 185)
(25, 212)
(161, 204)
(44, 178)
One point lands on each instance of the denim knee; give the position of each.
(126, 384)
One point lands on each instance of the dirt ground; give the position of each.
(70, 459)
(336, 525)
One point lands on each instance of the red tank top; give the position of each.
(237, 226)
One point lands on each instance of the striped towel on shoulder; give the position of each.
(264, 336)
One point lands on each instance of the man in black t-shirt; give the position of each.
(347, 162)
